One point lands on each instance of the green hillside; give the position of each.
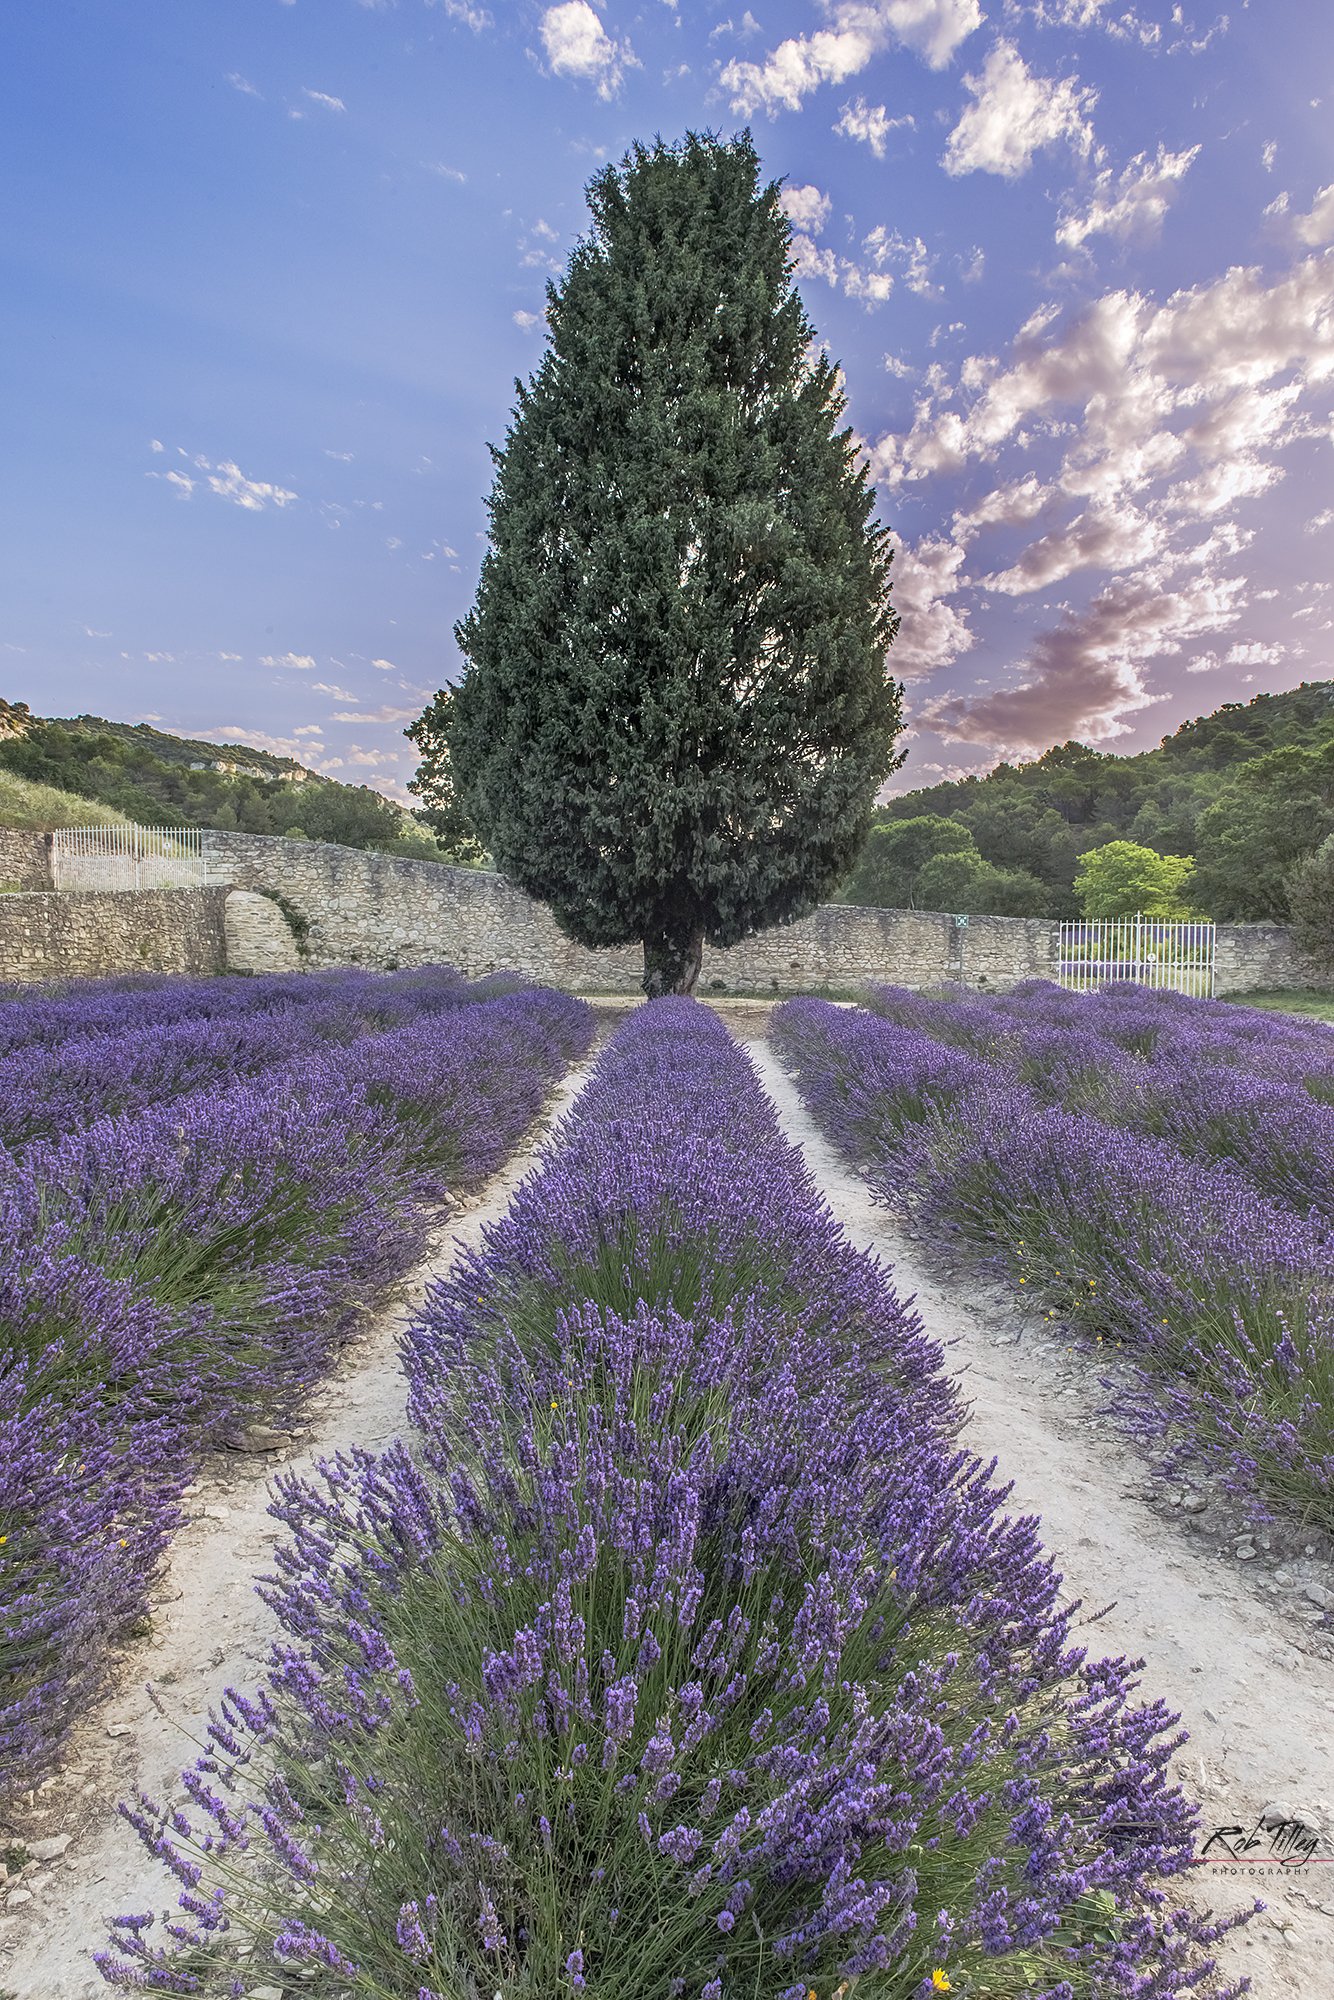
(147, 775)
(32, 808)
(1246, 790)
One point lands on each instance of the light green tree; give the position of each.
(1123, 879)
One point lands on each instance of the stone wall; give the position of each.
(93, 933)
(1257, 958)
(309, 904)
(259, 937)
(25, 859)
(379, 910)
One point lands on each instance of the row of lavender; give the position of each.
(1186, 1219)
(686, 1656)
(120, 1046)
(1221, 1082)
(169, 1271)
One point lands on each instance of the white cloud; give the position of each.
(886, 246)
(332, 688)
(445, 173)
(345, 456)
(385, 714)
(1324, 519)
(89, 632)
(933, 633)
(528, 320)
(1133, 204)
(309, 729)
(869, 123)
(1253, 654)
(1111, 538)
(300, 661)
(322, 97)
(861, 29)
(155, 444)
(475, 18)
(388, 666)
(1317, 227)
(1014, 115)
(806, 208)
(241, 83)
(1004, 507)
(742, 29)
(229, 482)
(183, 484)
(577, 44)
(1268, 154)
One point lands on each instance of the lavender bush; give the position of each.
(1162, 1065)
(1224, 1297)
(169, 1272)
(689, 1656)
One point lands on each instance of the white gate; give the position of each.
(128, 857)
(1147, 950)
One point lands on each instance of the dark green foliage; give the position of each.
(1214, 789)
(970, 886)
(1274, 811)
(163, 780)
(1310, 891)
(885, 877)
(434, 785)
(675, 712)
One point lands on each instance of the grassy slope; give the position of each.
(29, 807)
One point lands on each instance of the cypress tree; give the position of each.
(675, 714)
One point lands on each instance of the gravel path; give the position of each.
(209, 1630)
(1250, 1683)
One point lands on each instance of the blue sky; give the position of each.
(272, 266)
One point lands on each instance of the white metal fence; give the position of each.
(1143, 949)
(128, 857)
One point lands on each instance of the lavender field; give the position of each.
(682, 1649)
(1158, 1171)
(206, 1185)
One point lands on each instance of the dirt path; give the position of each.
(1247, 1677)
(209, 1630)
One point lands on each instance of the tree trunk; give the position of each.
(672, 959)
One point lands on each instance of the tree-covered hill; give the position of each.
(1247, 790)
(158, 779)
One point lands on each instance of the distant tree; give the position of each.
(441, 809)
(1310, 899)
(350, 815)
(675, 713)
(1123, 879)
(1274, 811)
(886, 871)
(969, 886)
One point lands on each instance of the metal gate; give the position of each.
(128, 857)
(1111, 950)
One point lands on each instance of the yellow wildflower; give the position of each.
(940, 1980)
(554, 1404)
